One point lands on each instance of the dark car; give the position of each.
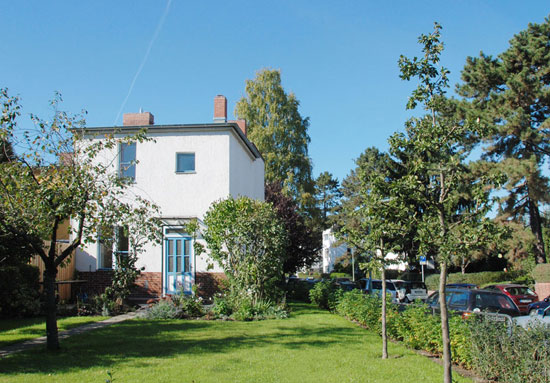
(462, 285)
(466, 301)
(522, 296)
(533, 307)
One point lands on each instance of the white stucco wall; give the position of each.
(246, 175)
(223, 167)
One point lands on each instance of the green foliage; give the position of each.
(541, 273)
(298, 290)
(190, 305)
(58, 175)
(19, 294)
(522, 357)
(163, 309)
(325, 295)
(327, 196)
(247, 240)
(510, 93)
(276, 127)
(481, 279)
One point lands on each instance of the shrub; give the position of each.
(325, 295)
(19, 294)
(298, 290)
(222, 307)
(259, 310)
(163, 309)
(340, 275)
(523, 356)
(541, 273)
(480, 279)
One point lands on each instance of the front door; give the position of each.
(178, 265)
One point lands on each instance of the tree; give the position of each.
(276, 127)
(327, 196)
(58, 176)
(303, 244)
(435, 147)
(247, 240)
(373, 223)
(511, 93)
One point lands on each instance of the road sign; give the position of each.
(423, 260)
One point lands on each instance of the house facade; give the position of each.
(183, 169)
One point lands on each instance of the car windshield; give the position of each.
(519, 290)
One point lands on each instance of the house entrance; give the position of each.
(178, 261)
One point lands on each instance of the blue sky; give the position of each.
(338, 57)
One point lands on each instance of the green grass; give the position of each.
(19, 330)
(311, 346)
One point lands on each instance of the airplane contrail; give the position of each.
(157, 31)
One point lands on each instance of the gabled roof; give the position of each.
(229, 126)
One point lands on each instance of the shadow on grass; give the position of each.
(142, 340)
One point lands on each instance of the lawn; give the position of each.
(311, 346)
(19, 330)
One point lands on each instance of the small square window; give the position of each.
(185, 162)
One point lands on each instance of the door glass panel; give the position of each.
(186, 264)
(178, 247)
(171, 247)
(178, 264)
(170, 264)
(186, 249)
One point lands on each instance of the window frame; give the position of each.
(194, 163)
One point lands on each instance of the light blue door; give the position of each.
(178, 265)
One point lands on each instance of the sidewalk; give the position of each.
(12, 349)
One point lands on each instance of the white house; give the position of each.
(183, 170)
(332, 250)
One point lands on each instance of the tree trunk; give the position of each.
(50, 273)
(447, 369)
(384, 333)
(536, 229)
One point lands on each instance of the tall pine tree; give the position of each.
(512, 93)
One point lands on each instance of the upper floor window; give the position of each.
(127, 161)
(185, 162)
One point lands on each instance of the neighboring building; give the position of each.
(184, 170)
(334, 249)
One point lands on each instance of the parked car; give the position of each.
(462, 285)
(345, 284)
(533, 307)
(522, 296)
(414, 291)
(542, 316)
(467, 301)
(374, 286)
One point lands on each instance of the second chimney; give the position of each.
(220, 109)
(138, 119)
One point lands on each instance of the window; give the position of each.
(127, 161)
(122, 241)
(185, 162)
(105, 251)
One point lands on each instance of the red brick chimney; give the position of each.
(242, 125)
(138, 119)
(220, 109)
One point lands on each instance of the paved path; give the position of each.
(12, 349)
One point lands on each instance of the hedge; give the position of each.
(522, 356)
(480, 279)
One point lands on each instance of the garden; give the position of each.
(312, 345)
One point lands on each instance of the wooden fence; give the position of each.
(64, 273)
